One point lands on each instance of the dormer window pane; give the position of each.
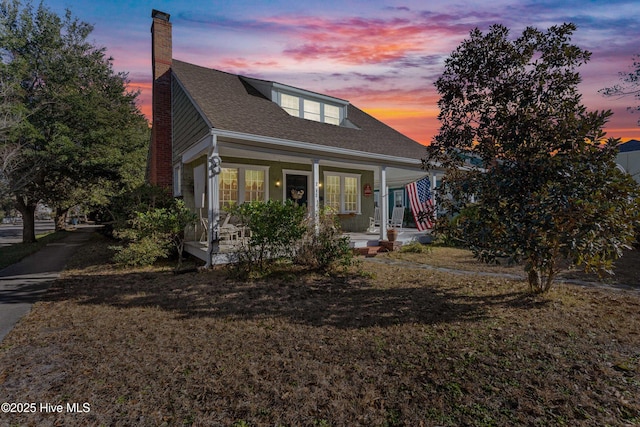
(291, 104)
(312, 110)
(331, 114)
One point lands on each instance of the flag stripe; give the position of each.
(420, 203)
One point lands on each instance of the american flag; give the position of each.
(420, 203)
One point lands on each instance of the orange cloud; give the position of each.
(419, 125)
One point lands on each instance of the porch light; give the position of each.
(277, 183)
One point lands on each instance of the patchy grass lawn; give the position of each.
(396, 346)
(626, 269)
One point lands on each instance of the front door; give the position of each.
(297, 188)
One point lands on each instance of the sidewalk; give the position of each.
(26, 282)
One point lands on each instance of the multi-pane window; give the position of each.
(311, 110)
(291, 104)
(342, 192)
(350, 194)
(332, 192)
(228, 187)
(331, 114)
(253, 185)
(241, 184)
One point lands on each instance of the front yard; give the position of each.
(393, 346)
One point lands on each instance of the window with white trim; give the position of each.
(228, 187)
(342, 192)
(240, 183)
(290, 103)
(310, 109)
(331, 114)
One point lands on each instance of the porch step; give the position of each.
(370, 251)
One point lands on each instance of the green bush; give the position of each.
(275, 229)
(324, 247)
(145, 251)
(284, 233)
(153, 233)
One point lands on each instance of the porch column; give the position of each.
(315, 167)
(384, 203)
(434, 180)
(213, 196)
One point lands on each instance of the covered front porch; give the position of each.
(281, 164)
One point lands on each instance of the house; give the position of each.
(628, 158)
(220, 138)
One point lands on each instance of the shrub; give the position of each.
(283, 232)
(275, 229)
(324, 247)
(153, 233)
(145, 251)
(416, 248)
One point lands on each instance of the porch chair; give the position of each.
(397, 217)
(374, 223)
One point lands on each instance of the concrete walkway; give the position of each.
(27, 281)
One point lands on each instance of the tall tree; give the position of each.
(543, 180)
(81, 125)
(630, 85)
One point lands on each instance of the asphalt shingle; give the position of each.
(231, 103)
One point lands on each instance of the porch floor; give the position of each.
(405, 235)
(358, 240)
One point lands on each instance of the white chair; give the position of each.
(374, 223)
(397, 217)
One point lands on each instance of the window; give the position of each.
(398, 198)
(311, 110)
(331, 114)
(253, 185)
(228, 187)
(291, 104)
(252, 179)
(332, 192)
(350, 194)
(342, 192)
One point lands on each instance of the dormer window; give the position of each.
(303, 103)
(291, 104)
(310, 109)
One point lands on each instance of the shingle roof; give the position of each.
(230, 103)
(632, 145)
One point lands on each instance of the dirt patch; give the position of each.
(394, 346)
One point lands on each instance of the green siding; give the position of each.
(188, 125)
(349, 222)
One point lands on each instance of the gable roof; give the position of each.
(230, 102)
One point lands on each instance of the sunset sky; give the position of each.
(382, 56)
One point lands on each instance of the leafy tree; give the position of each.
(81, 128)
(546, 190)
(630, 85)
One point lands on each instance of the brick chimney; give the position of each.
(160, 158)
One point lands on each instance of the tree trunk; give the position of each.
(61, 216)
(535, 280)
(537, 283)
(28, 211)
